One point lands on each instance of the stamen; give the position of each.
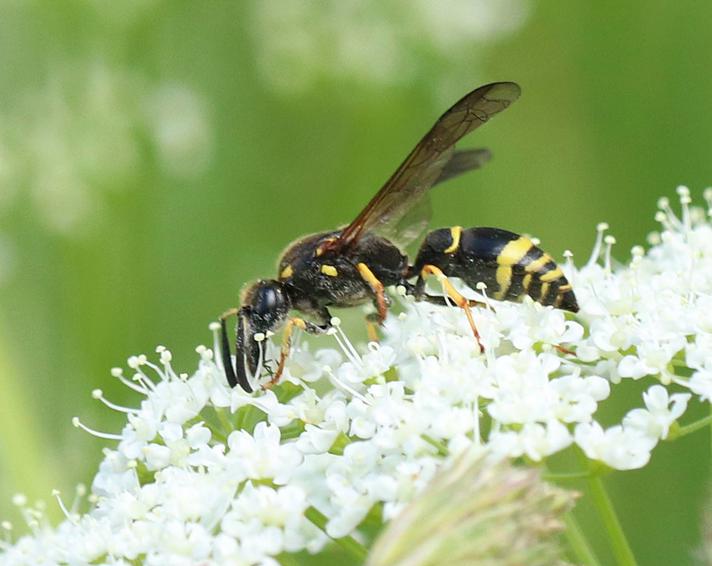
(30, 516)
(118, 373)
(401, 290)
(637, 253)
(206, 354)
(476, 435)
(610, 240)
(260, 359)
(164, 374)
(481, 286)
(105, 435)
(144, 380)
(99, 395)
(70, 517)
(345, 343)
(596, 252)
(214, 327)
(569, 258)
(685, 201)
(135, 363)
(345, 386)
(664, 206)
(707, 194)
(79, 492)
(654, 238)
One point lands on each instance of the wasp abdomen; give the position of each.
(509, 264)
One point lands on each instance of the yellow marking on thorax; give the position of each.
(552, 275)
(565, 288)
(455, 233)
(536, 265)
(329, 270)
(514, 251)
(320, 248)
(287, 272)
(504, 280)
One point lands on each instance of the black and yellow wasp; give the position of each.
(352, 265)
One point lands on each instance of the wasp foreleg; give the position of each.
(302, 324)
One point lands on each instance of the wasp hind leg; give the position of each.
(450, 292)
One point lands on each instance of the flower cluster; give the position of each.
(352, 435)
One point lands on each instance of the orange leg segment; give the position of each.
(286, 347)
(455, 295)
(372, 328)
(292, 323)
(377, 288)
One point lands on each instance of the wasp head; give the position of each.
(265, 306)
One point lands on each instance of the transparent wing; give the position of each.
(416, 218)
(428, 163)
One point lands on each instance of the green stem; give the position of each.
(710, 425)
(577, 541)
(693, 427)
(566, 476)
(604, 506)
(225, 421)
(348, 543)
(442, 448)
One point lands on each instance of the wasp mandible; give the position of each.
(353, 265)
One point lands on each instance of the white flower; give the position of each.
(618, 447)
(202, 473)
(661, 411)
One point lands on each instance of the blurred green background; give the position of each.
(156, 155)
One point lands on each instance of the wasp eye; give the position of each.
(267, 305)
(267, 299)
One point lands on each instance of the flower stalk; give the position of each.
(603, 504)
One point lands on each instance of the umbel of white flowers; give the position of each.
(352, 435)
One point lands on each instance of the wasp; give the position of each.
(354, 264)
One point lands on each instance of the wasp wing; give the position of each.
(428, 161)
(462, 161)
(416, 219)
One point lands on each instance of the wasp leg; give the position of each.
(418, 292)
(377, 289)
(302, 324)
(372, 323)
(225, 352)
(452, 293)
